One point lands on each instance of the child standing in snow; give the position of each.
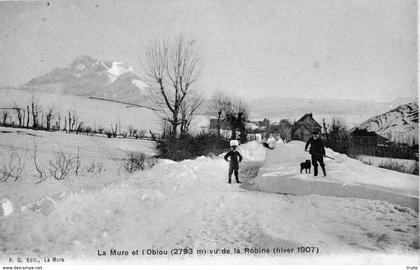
(235, 158)
(317, 152)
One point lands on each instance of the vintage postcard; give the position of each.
(280, 132)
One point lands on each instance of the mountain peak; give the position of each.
(84, 59)
(82, 62)
(90, 77)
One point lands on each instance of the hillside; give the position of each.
(399, 125)
(89, 77)
(93, 113)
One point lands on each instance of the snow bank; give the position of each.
(6, 208)
(346, 177)
(403, 165)
(252, 151)
(45, 206)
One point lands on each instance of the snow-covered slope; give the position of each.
(399, 125)
(93, 113)
(90, 77)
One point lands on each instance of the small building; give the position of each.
(303, 128)
(363, 137)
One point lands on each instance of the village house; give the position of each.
(303, 128)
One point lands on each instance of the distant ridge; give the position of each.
(399, 125)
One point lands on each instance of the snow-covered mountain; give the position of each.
(90, 77)
(399, 125)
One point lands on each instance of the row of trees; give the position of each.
(34, 116)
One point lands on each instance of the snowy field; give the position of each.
(189, 204)
(101, 151)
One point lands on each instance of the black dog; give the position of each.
(305, 165)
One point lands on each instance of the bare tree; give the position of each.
(4, 116)
(78, 164)
(188, 111)
(80, 127)
(59, 122)
(20, 115)
(113, 131)
(220, 105)
(172, 70)
(61, 165)
(49, 116)
(95, 167)
(36, 109)
(165, 128)
(28, 117)
(12, 165)
(237, 117)
(42, 172)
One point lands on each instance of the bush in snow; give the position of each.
(11, 165)
(189, 146)
(95, 167)
(61, 165)
(135, 161)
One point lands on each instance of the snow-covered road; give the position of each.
(346, 177)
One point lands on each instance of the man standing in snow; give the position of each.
(317, 152)
(235, 158)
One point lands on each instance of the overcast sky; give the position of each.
(357, 49)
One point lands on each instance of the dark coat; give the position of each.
(317, 147)
(235, 158)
